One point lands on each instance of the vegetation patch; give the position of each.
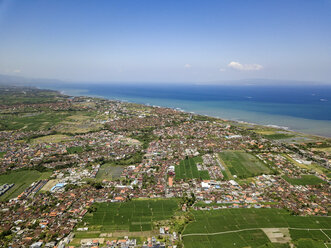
(22, 179)
(304, 180)
(243, 164)
(187, 169)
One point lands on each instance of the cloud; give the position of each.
(245, 67)
(187, 65)
(222, 69)
(17, 71)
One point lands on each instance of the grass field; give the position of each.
(109, 171)
(277, 136)
(323, 149)
(243, 164)
(304, 180)
(131, 216)
(187, 169)
(2, 154)
(75, 149)
(235, 219)
(22, 180)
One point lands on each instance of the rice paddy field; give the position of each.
(243, 164)
(132, 216)
(187, 169)
(304, 180)
(31, 121)
(237, 220)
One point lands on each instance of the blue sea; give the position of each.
(303, 108)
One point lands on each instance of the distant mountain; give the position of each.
(16, 80)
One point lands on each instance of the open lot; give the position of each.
(21, 179)
(243, 164)
(304, 180)
(79, 123)
(109, 171)
(49, 185)
(210, 225)
(187, 169)
(56, 138)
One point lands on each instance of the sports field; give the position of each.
(132, 216)
(304, 180)
(187, 169)
(243, 164)
(234, 222)
(21, 179)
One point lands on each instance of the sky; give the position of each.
(166, 41)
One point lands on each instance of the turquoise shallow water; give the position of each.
(304, 109)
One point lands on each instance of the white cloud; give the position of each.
(187, 65)
(222, 69)
(17, 71)
(245, 67)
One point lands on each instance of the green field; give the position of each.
(243, 164)
(304, 180)
(31, 121)
(308, 243)
(109, 171)
(278, 136)
(249, 239)
(22, 180)
(311, 234)
(2, 154)
(215, 221)
(187, 169)
(132, 216)
(75, 149)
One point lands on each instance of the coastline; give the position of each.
(206, 113)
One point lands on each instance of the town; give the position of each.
(68, 162)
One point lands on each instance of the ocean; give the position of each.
(302, 108)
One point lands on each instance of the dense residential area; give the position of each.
(91, 172)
